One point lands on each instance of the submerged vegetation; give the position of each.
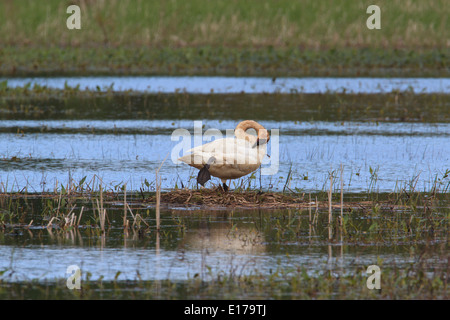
(412, 282)
(404, 222)
(74, 103)
(291, 244)
(405, 231)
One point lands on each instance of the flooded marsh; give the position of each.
(98, 100)
(224, 253)
(363, 179)
(383, 140)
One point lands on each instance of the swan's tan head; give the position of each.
(262, 135)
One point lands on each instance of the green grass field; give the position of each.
(285, 37)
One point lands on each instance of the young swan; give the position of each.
(230, 158)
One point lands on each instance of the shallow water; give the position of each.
(385, 143)
(206, 244)
(380, 157)
(202, 85)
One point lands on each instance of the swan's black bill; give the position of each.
(204, 175)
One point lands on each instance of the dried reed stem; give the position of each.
(316, 214)
(81, 214)
(330, 217)
(342, 195)
(310, 208)
(125, 205)
(50, 222)
(158, 200)
(158, 195)
(101, 197)
(330, 194)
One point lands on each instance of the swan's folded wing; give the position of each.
(216, 146)
(197, 159)
(227, 151)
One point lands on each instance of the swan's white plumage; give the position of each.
(231, 158)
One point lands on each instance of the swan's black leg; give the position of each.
(204, 175)
(225, 187)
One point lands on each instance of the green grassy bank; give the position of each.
(261, 38)
(38, 102)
